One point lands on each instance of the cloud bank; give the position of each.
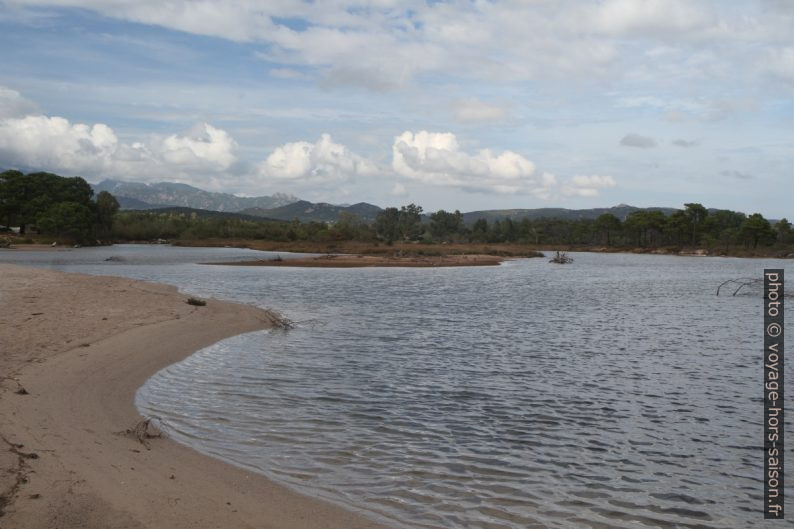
(53, 143)
(436, 158)
(390, 43)
(207, 156)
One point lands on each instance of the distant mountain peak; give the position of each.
(139, 195)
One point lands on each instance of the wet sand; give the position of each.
(74, 349)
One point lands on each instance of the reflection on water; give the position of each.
(618, 391)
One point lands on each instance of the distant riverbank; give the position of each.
(414, 249)
(363, 261)
(426, 254)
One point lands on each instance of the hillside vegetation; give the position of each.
(44, 204)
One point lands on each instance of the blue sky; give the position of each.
(469, 105)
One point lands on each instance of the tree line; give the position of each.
(692, 226)
(55, 205)
(66, 207)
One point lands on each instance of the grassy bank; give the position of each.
(406, 249)
(415, 249)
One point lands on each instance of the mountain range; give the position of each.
(280, 206)
(135, 195)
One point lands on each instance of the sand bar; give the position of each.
(363, 261)
(73, 351)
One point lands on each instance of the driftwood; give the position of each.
(141, 432)
(561, 258)
(280, 321)
(196, 302)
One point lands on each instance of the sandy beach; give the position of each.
(73, 351)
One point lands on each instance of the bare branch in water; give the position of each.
(740, 283)
(561, 258)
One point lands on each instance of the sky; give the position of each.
(454, 105)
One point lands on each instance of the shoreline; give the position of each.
(437, 252)
(81, 346)
(503, 250)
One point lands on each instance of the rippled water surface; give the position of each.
(618, 391)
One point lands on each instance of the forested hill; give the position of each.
(322, 212)
(621, 211)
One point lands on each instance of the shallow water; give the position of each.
(618, 391)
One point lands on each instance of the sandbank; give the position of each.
(74, 349)
(361, 261)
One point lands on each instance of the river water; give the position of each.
(618, 391)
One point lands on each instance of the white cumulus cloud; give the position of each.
(53, 143)
(436, 158)
(321, 162)
(56, 144)
(204, 146)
